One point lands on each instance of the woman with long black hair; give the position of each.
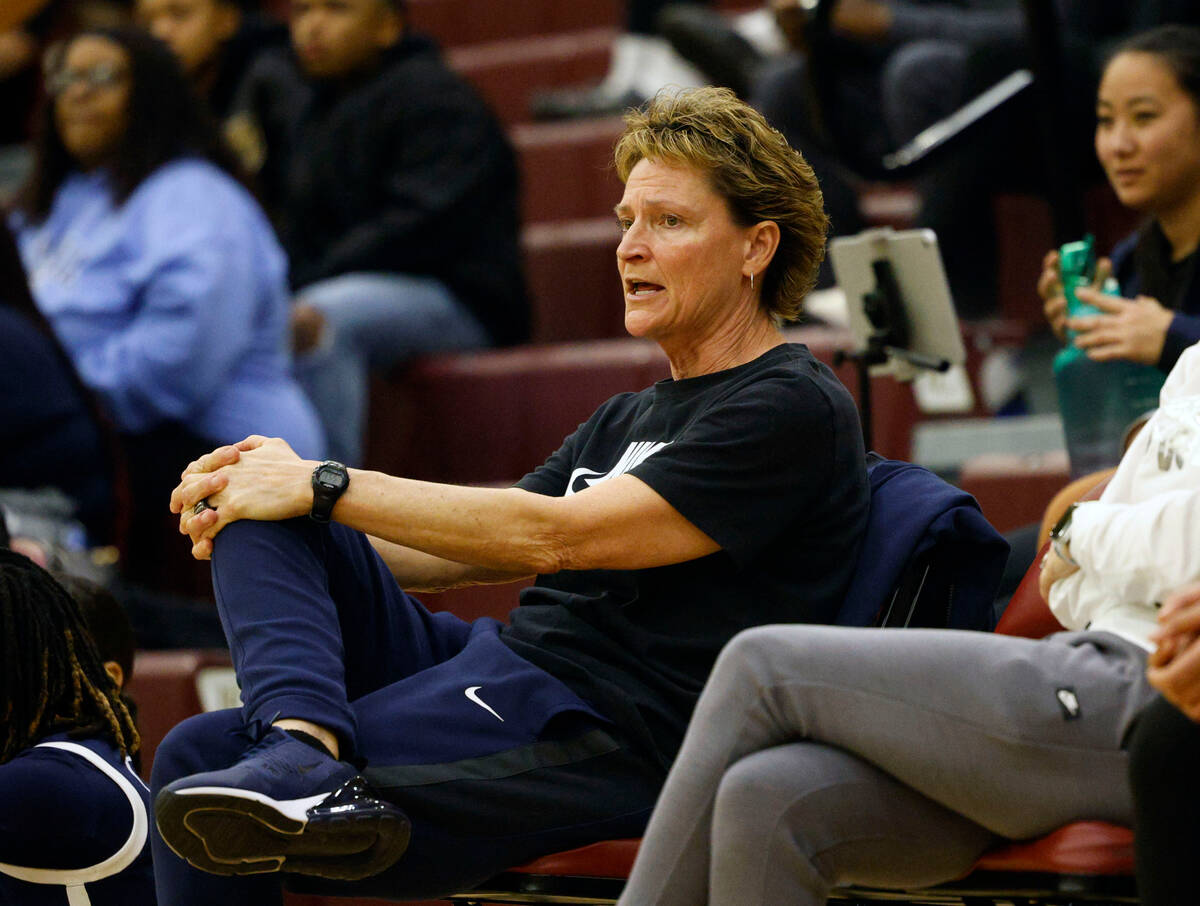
(156, 268)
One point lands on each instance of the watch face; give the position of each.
(329, 477)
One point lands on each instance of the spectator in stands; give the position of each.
(731, 495)
(55, 436)
(395, 191)
(157, 270)
(894, 68)
(1148, 141)
(73, 812)
(823, 756)
(1163, 750)
(216, 41)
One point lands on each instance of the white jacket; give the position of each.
(1141, 539)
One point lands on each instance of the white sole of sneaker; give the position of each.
(239, 832)
(293, 810)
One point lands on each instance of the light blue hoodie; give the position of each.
(173, 305)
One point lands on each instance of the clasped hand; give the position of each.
(1174, 666)
(1129, 329)
(257, 478)
(1053, 568)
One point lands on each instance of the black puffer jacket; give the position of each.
(403, 170)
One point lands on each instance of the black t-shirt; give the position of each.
(767, 460)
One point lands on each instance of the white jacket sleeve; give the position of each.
(1139, 552)
(1141, 540)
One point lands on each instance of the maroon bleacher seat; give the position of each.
(508, 73)
(574, 287)
(566, 169)
(164, 688)
(1012, 490)
(461, 22)
(493, 416)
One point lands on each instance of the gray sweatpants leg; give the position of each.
(885, 757)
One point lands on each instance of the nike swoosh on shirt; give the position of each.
(472, 692)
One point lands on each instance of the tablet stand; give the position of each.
(889, 339)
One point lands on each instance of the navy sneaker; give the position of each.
(283, 807)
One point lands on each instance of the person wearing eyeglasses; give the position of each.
(157, 270)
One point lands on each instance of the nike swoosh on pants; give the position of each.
(472, 693)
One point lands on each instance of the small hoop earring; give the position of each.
(752, 281)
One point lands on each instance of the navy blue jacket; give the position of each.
(913, 512)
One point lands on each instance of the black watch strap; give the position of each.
(329, 482)
(1060, 535)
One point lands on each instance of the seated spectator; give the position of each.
(54, 433)
(216, 41)
(1163, 750)
(895, 67)
(823, 756)
(733, 494)
(157, 270)
(73, 812)
(1148, 141)
(396, 194)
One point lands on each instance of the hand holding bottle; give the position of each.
(1054, 299)
(1130, 329)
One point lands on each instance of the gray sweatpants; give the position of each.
(821, 756)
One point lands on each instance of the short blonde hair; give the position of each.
(760, 176)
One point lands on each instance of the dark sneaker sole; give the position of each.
(226, 833)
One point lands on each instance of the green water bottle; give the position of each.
(1098, 400)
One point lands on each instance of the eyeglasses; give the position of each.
(101, 75)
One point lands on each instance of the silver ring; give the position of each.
(201, 505)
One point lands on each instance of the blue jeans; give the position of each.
(374, 320)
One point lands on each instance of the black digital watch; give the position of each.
(329, 482)
(1060, 535)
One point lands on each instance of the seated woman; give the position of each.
(732, 494)
(822, 756)
(156, 268)
(1148, 141)
(73, 813)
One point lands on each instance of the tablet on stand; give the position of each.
(902, 317)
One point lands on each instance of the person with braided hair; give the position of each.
(73, 812)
